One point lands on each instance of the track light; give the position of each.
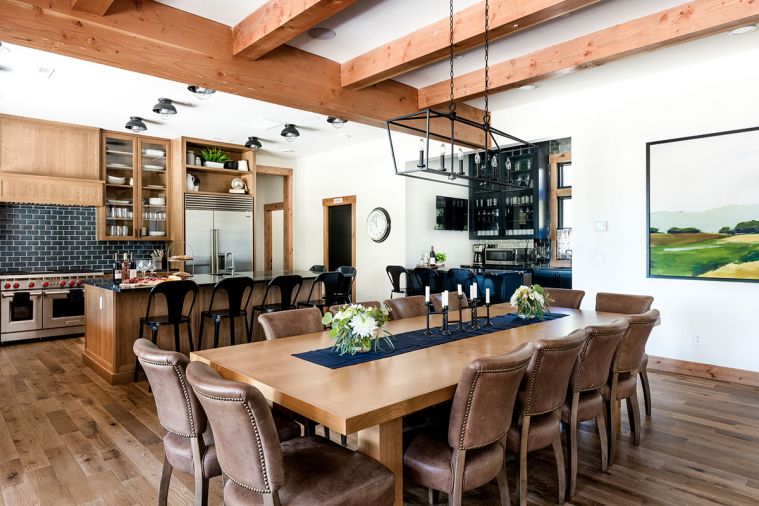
(164, 108)
(135, 124)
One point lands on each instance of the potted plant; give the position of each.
(214, 157)
(530, 302)
(354, 327)
(440, 258)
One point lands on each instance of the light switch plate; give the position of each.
(602, 226)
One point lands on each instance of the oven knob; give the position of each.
(62, 283)
(31, 284)
(72, 283)
(45, 284)
(79, 283)
(7, 285)
(15, 285)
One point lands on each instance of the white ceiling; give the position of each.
(91, 94)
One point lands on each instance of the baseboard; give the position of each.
(699, 370)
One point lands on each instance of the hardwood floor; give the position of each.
(67, 437)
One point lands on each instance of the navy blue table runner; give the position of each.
(416, 340)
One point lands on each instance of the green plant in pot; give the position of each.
(440, 257)
(214, 157)
(354, 327)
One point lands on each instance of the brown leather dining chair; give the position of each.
(369, 303)
(584, 401)
(630, 304)
(622, 383)
(564, 297)
(292, 322)
(260, 470)
(536, 423)
(453, 302)
(471, 453)
(188, 445)
(406, 307)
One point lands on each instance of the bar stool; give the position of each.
(289, 289)
(463, 277)
(175, 294)
(235, 288)
(428, 277)
(349, 278)
(394, 273)
(333, 283)
(317, 268)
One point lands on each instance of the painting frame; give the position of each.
(648, 231)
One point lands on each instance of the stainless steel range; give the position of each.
(42, 304)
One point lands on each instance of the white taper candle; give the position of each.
(426, 294)
(487, 295)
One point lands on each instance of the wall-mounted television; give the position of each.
(451, 213)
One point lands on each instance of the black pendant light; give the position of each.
(135, 124)
(336, 122)
(484, 173)
(290, 133)
(201, 92)
(253, 144)
(164, 108)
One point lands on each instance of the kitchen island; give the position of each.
(113, 319)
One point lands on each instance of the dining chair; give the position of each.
(539, 402)
(406, 307)
(292, 322)
(188, 444)
(332, 283)
(453, 303)
(463, 277)
(471, 453)
(394, 274)
(302, 471)
(174, 295)
(429, 277)
(584, 401)
(369, 303)
(238, 290)
(564, 297)
(630, 304)
(622, 382)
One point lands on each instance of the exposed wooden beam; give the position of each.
(693, 20)
(431, 43)
(157, 40)
(278, 22)
(97, 7)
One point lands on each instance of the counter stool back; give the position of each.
(428, 277)
(394, 273)
(239, 291)
(463, 277)
(289, 288)
(333, 284)
(349, 278)
(175, 294)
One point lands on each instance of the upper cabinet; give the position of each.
(46, 162)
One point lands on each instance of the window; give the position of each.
(565, 212)
(565, 175)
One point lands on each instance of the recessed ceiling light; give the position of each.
(321, 33)
(743, 30)
(528, 87)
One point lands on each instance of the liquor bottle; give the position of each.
(433, 260)
(125, 267)
(116, 269)
(132, 267)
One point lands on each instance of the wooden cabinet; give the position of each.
(45, 162)
(134, 170)
(552, 278)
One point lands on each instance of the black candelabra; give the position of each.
(444, 330)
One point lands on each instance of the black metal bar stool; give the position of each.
(175, 293)
(429, 277)
(236, 289)
(394, 273)
(332, 283)
(289, 289)
(349, 278)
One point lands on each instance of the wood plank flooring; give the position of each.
(67, 437)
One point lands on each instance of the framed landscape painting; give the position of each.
(703, 206)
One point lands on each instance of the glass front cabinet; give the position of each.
(136, 188)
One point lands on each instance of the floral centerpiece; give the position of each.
(530, 301)
(354, 327)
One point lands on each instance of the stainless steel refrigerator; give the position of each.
(215, 225)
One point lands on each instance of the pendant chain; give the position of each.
(486, 117)
(452, 104)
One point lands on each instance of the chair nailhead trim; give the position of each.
(190, 418)
(541, 351)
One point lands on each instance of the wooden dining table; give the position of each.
(371, 398)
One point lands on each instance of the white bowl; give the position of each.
(156, 233)
(115, 180)
(157, 201)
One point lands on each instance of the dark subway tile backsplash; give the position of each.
(34, 237)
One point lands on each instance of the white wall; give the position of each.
(609, 127)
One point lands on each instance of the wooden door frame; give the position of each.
(555, 193)
(268, 209)
(287, 207)
(340, 201)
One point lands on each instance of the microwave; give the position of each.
(505, 256)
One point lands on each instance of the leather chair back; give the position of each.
(633, 345)
(485, 396)
(369, 303)
(453, 301)
(291, 323)
(593, 363)
(406, 307)
(563, 297)
(623, 303)
(246, 440)
(546, 379)
(178, 409)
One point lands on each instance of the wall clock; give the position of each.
(378, 224)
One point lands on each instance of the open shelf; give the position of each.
(211, 170)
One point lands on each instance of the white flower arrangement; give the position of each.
(531, 301)
(354, 327)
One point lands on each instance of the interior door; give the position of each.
(340, 237)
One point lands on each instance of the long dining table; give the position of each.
(370, 399)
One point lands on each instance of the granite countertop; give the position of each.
(203, 279)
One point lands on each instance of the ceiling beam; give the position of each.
(432, 43)
(161, 41)
(97, 7)
(689, 21)
(277, 22)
